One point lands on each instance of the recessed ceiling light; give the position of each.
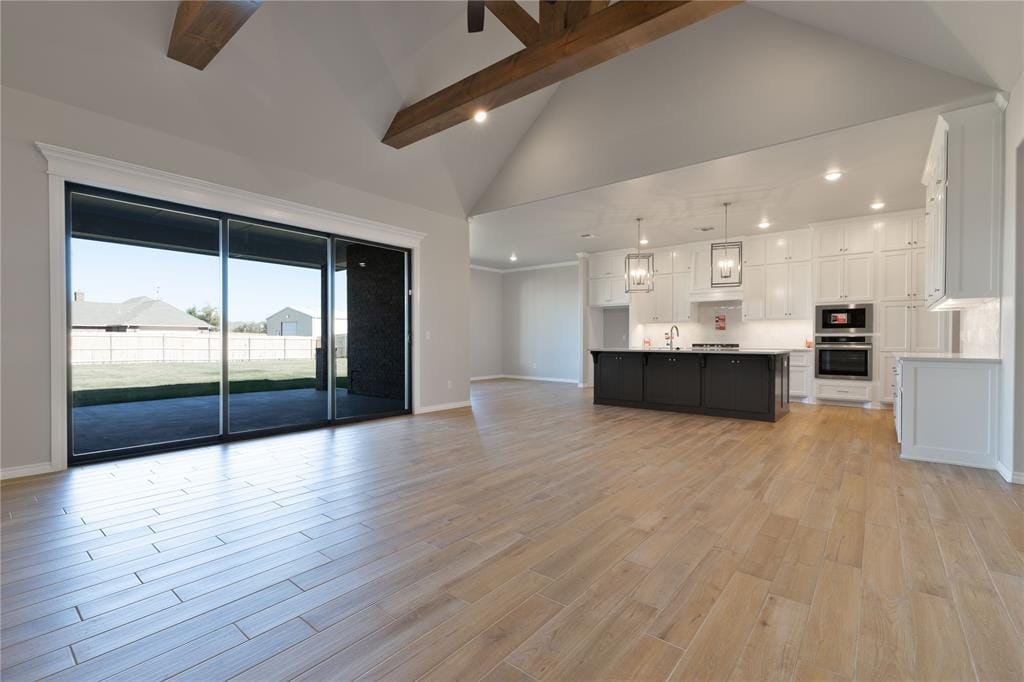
(764, 224)
(513, 258)
(480, 116)
(643, 241)
(833, 175)
(878, 205)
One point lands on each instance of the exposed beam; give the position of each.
(516, 19)
(581, 9)
(622, 27)
(552, 17)
(203, 27)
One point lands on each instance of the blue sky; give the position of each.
(115, 272)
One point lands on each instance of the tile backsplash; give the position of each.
(756, 334)
(979, 330)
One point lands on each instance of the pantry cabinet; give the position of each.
(903, 232)
(787, 291)
(843, 279)
(902, 275)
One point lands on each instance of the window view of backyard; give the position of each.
(146, 355)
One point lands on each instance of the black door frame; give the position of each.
(327, 309)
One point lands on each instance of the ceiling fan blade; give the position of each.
(475, 15)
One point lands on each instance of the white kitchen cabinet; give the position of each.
(608, 291)
(608, 264)
(844, 279)
(844, 239)
(801, 373)
(947, 410)
(664, 261)
(753, 251)
(910, 326)
(683, 309)
(896, 277)
(963, 177)
(754, 292)
(788, 246)
(702, 266)
(888, 378)
(839, 389)
(683, 260)
(787, 291)
(662, 295)
(903, 232)
(919, 263)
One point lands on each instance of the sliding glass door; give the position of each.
(188, 326)
(277, 367)
(144, 311)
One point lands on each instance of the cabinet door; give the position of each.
(600, 291)
(702, 266)
(752, 392)
(799, 381)
(799, 245)
(632, 383)
(681, 297)
(663, 311)
(753, 251)
(859, 238)
(919, 261)
(603, 264)
(753, 292)
(918, 233)
(896, 266)
(859, 278)
(927, 329)
(776, 249)
(607, 376)
(617, 288)
(888, 378)
(641, 308)
(660, 379)
(683, 261)
(938, 242)
(897, 234)
(718, 384)
(800, 306)
(895, 326)
(828, 280)
(664, 261)
(688, 373)
(828, 241)
(776, 292)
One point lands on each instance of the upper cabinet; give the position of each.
(785, 247)
(963, 178)
(683, 259)
(702, 266)
(753, 251)
(608, 291)
(664, 260)
(844, 279)
(611, 264)
(844, 239)
(903, 232)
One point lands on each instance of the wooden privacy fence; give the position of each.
(139, 347)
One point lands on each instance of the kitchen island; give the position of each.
(741, 383)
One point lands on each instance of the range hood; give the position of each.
(716, 295)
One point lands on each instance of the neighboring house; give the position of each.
(290, 321)
(141, 313)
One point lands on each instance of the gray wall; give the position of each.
(616, 327)
(541, 326)
(485, 323)
(24, 304)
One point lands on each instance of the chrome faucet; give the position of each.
(673, 333)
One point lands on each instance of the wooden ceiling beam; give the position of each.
(516, 19)
(203, 27)
(621, 27)
(581, 9)
(552, 17)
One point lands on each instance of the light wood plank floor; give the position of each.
(536, 537)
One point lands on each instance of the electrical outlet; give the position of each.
(450, 384)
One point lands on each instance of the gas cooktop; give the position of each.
(715, 346)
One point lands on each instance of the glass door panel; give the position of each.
(144, 310)
(277, 368)
(371, 312)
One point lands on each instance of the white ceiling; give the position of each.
(312, 86)
(783, 184)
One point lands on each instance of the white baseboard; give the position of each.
(487, 377)
(521, 377)
(582, 385)
(441, 407)
(954, 462)
(27, 470)
(1008, 475)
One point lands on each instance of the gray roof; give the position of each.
(141, 311)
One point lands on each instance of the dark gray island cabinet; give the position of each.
(743, 384)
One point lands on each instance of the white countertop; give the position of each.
(944, 357)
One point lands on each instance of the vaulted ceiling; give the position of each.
(313, 86)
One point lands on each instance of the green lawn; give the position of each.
(131, 382)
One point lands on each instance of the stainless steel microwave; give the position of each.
(844, 318)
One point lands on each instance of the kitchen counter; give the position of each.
(944, 357)
(747, 383)
(698, 351)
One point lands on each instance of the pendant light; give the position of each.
(726, 258)
(639, 268)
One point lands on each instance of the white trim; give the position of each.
(97, 171)
(955, 462)
(520, 377)
(1010, 476)
(440, 407)
(28, 470)
(564, 264)
(488, 377)
(583, 385)
(866, 216)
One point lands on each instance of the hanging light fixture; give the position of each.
(639, 268)
(726, 259)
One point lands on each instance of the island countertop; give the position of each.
(698, 351)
